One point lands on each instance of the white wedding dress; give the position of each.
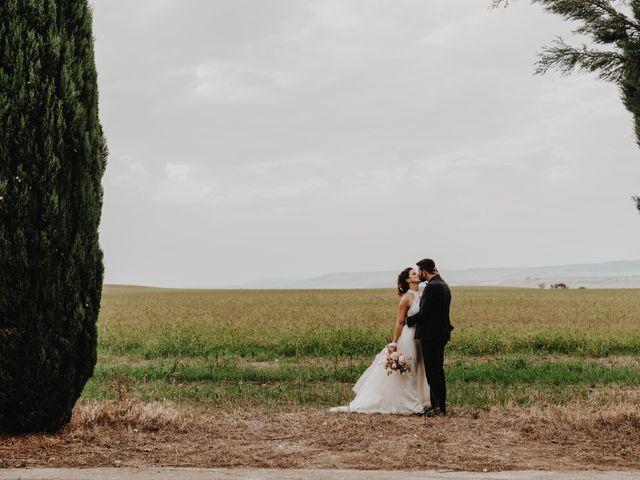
(377, 392)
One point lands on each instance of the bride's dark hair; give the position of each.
(403, 284)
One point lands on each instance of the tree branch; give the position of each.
(566, 58)
(578, 10)
(605, 5)
(499, 3)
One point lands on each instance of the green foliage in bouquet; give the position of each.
(52, 158)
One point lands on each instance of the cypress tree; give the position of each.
(52, 158)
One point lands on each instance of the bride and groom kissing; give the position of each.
(422, 330)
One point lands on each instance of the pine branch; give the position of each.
(605, 5)
(565, 58)
(595, 13)
(499, 3)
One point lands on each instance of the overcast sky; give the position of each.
(292, 138)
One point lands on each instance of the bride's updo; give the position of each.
(403, 284)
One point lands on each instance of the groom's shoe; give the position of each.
(435, 412)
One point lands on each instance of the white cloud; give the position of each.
(149, 11)
(454, 33)
(131, 170)
(338, 15)
(182, 186)
(222, 81)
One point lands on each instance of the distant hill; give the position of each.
(623, 274)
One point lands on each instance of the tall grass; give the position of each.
(154, 323)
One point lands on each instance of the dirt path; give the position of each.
(273, 474)
(129, 434)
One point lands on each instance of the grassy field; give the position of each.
(289, 349)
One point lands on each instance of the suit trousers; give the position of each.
(433, 354)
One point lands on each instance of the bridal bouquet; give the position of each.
(396, 362)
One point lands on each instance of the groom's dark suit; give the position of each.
(433, 329)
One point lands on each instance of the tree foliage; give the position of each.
(614, 29)
(52, 158)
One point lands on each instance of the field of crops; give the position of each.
(279, 350)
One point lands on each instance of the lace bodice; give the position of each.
(415, 306)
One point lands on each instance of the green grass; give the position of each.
(282, 349)
(323, 342)
(267, 324)
(506, 371)
(480, 384)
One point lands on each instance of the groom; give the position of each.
(433, 329)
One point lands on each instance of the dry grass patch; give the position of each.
(132, 433)
(133, 414)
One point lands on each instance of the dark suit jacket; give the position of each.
(433, 324)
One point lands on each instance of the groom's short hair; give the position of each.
(427, 265)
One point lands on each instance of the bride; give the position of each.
(377, 392)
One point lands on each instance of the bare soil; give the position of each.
(130, 433)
